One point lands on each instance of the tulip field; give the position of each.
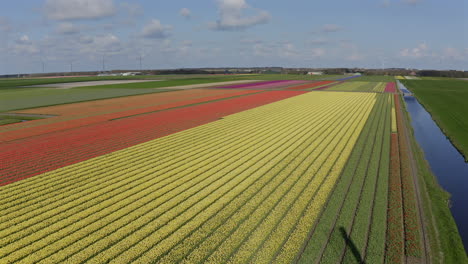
(261, 172)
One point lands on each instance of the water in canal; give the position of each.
(446, 162)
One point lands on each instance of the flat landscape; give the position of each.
(238, 169)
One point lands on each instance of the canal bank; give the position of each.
(446, 163)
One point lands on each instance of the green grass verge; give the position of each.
(9, 121)
(446, 102)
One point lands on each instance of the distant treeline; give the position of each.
(391, 72)
(265, 70)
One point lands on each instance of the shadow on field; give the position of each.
(351, 246)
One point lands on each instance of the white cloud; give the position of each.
(23, 40)
(455, 54)
(289, 50)
(107, 43)
(25, 46)
(154, 29)
(26, 49)
(420, 51)
(451, 52)
(78, 9)
(85, 40)
(331, 28)
(231, 16)
(67, 28)
(185, 12)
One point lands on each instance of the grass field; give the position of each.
(446, 101)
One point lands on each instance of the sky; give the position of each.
(86, 35)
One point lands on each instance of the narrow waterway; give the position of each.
(446, 162)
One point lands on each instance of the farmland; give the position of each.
(272, 169)
(359, 87)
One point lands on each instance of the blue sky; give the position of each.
(60, 34)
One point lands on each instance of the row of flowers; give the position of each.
(410, 210)
(21, 159)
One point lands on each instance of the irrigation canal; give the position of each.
(446, 162)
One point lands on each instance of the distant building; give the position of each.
(131, 73)
(315, 73)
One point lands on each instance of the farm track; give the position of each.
(144, 212)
